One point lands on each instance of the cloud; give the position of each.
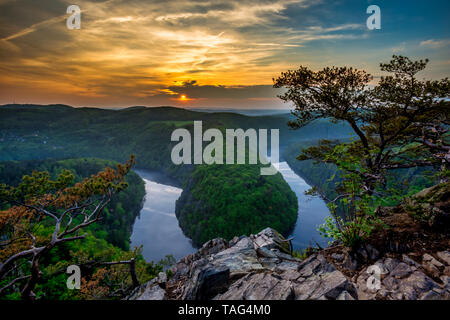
(240, 13)
(399, 48)
(147, 52)
(197, 91)
(35, 27)
(435, 43)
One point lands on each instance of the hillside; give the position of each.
(32, 132)
(119, 215)
(234, 200)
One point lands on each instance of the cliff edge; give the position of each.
(408, 260)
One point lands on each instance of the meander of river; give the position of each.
(157, 229)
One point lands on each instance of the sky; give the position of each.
(202, 53)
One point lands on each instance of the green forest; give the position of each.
(57, 138)
(105, 241)
(33, 132)
(120, 213)
(232, 200)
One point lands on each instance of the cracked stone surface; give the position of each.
(259, 267)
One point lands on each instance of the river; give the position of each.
(157, 228)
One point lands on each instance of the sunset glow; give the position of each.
(183, 98)
(221, 53)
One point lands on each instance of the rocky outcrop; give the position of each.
(260, 267)
(431, 205)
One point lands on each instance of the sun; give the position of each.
(183, 97)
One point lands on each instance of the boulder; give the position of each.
(270, 239)
(444, 256)
(260, 267)
(149, 291)
(320, 280)
(259, 286)
(240, 259)
(210, 282)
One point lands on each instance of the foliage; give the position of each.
(45, 215)
(233, 200)
(119, 214)
(431, 206)
(146, 132)
(384, 119)
(394, 124)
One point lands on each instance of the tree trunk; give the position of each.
(27, 292)
(133, 273)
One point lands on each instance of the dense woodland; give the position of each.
(225, 201)
(56, 138)
(119, 216)
(325, 177)
(36, 188)
(41, 132)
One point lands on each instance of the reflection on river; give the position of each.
(157, 226)
(158, 231)
(312, 211)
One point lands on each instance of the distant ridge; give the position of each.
(32, 105)
(245, 112)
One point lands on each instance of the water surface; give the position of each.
(157, 226)
(158, 231)
(312, 210)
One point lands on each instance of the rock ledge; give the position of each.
(260, 267)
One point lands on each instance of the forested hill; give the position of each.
(234, 200)
(30, 132)
(119, 215)
(39, 132)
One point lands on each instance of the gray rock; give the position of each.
(345, 296)
(337, 256)
(328, 285)
(372, 252)
(259, 286)
(285, 256)
(390, 264)
(234, 241)
(428, 259)
(266, 253)
(315, 264)
(320, 280)
(401, 271)
(259, 267)
(269, 263)
(290, 275)
(416, 285)
(350, 263)
(432, 265)
(444, 256)
(287, 266)
(270, 239)
(212, 246)
(150, 291)
(210, 282)
(162, 278)
(240, 259)
(434, 294)
(409, 261)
